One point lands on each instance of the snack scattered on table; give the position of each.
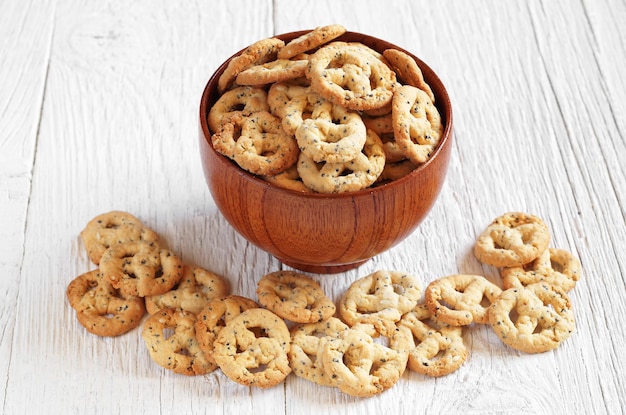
(216, 315)
(544, 317)
(306, 343)
(141, 268)
(113, 228)
(195, 290)
(556, 267)
(382, 325)
(320, 98)
(512, 239)
(362, 367)
(439, 348)
(535, 278)
(135, 274)
(459, 300)
(252, 348)
(179, 352)
(380, 299)
(294, 297)
(102, 309)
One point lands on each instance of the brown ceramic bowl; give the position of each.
(323, 233)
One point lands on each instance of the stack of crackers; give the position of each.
(317, 114)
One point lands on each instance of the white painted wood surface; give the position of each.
(98, 111)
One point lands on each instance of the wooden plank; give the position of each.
(25, 30)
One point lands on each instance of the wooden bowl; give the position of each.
(323, 233)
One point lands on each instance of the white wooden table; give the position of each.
(98, 111)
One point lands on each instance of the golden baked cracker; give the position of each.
(252, 349)
(108, 229)
(439, 348)
(512, 239)
(332, 134)
(306, 346)
(102, 309)
(362, 47)
(461, 299)
(257, 143)
(383, 127)
(362, 367)
(407, 70)
(288, 179)
(141, 269)
(196, 288)
(397, 170)
(378, 112)
(259, 52)
(280, 94)
(357, 174)
(243, 100)
(294, 297)
(179, 352)
(217, 314)
(380, 299)
(349, 76)
(417, 123)
(556, 267)
(311, 40)
(309, 105)
(279, 70)
(532, 319)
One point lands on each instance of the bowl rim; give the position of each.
(442, 103)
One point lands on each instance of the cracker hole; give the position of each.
(445, 304)
(437, 357)
(376, 365)
(556, 266)
(382, 340)
(258, 369)
(92, 286)
(168, 332)
(484, 302)
(259, 332)
(345, 172)
(373, 85)
(318, 334)
(184, 352)
(221, 322)
(398, 289)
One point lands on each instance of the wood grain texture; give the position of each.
(25, 30)
(98, 111)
